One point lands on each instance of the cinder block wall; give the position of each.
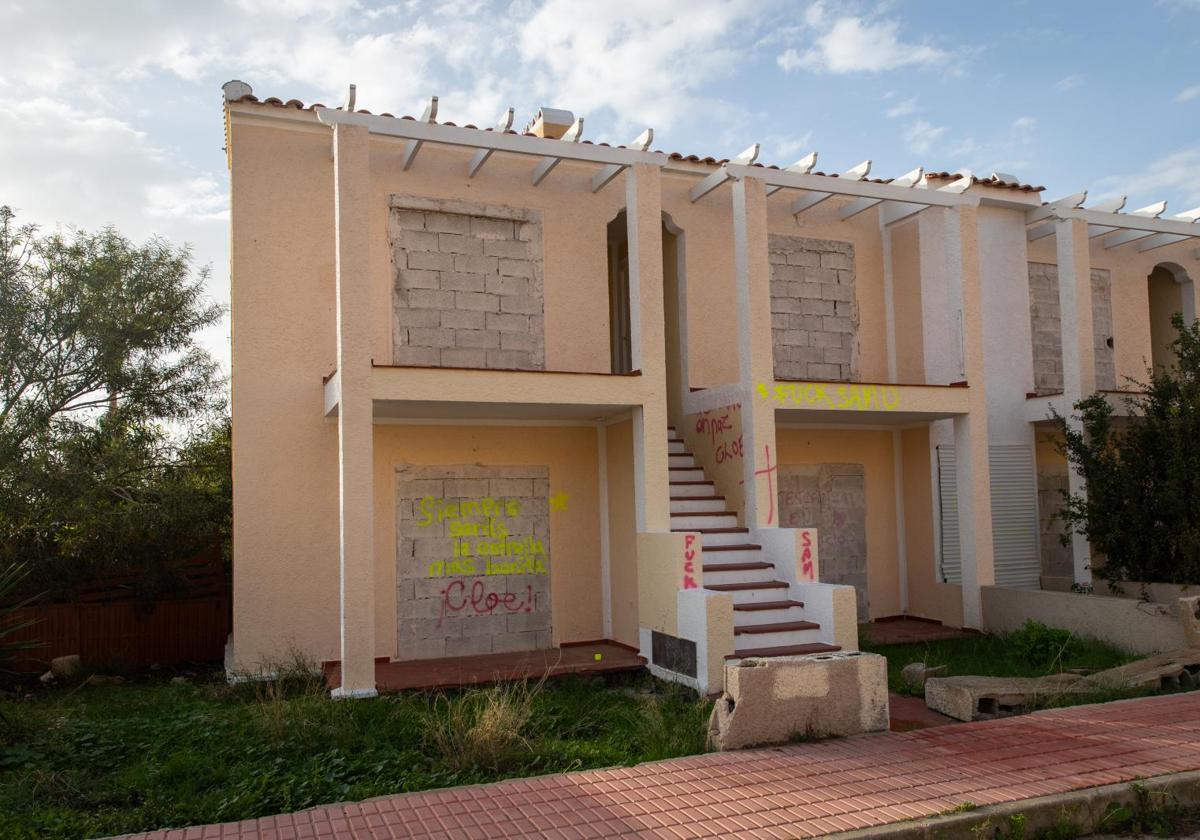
(814, 315)
(1046, 320)
(468, 285)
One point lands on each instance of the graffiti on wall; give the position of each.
(720, 426)
(768, 471)
(480, 538)
(806, 555)
(689, 561)
(847, 397)
(472, 559)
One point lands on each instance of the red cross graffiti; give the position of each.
(770, 468)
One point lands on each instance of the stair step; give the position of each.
(681, 460)
(767, 605)
(737, 567)
(676, 447)
(734, 547)
(711, 538)
(778, 627)
(688, 489)
(685, 474)
(744, 587)
(786, 650)
(698, 504)
(702, 521)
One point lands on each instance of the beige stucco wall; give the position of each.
(906, 306)
(872, 449)
(622, 532)
(928, 597)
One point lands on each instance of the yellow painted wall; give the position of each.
(872, 449)
(928, 597)
(622, 532)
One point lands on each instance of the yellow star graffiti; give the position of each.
(558, 501)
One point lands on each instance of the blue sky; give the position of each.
(111, 112)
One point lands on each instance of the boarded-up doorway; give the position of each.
(833, 499)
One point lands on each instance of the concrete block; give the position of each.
(430, 337)
(499, 285)
(507, 322)
(431, 260)
(418, 240)
(983, 698)
(464, 357)
(494, 229)
(475, 264)
(423, 356)
(460, 281)
(516, 268)
(417, 278)
(457, 243)
(408, 219)
(477, 301)
(447, 223)
(770, 701)
(464, 319)
(482, 339)
(404, 316)
(506, 248)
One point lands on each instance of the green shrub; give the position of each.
(1042, 646)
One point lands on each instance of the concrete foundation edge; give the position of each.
(1084, 809)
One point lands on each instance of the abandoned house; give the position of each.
(500, 391)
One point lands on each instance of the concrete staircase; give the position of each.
(767, 620)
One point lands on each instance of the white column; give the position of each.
(755, 361)
(971, 429)
(1078, 350)
(643, 203)
(355, 431)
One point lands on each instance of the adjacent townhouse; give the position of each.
(499, 391)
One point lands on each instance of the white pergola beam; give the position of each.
(602, 178)
(1125, 237)
(858, 205)
(414, 146)
(1158, 240)
(803, 166)
(473, 138)
(1070, 202)
(548, 163)
(710, 183)
(1099, 230)
(480, 157)
(898, 211)
(1111, 205)
(1041, 231)
(808, 201)
(908, 180)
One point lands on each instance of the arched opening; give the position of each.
(1170, 293)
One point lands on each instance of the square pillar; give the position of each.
(752, 283)
(643, 216)
(973, 473)
(1078, 350)
(351, 163)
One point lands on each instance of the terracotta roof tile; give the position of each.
(679, 156)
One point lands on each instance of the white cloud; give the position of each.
(904, 108)
(921, 135)
(1069, 82)
(1188, 94)
(854, 44)
(1178, 174)
(1022, 128)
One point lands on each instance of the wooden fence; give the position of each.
(107, 627)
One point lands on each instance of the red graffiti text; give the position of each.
(689, 562)
(806, 561)
(458, 598)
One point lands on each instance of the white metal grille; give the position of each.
(948, 498)
(1014, 516)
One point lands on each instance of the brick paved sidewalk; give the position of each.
(803, 790)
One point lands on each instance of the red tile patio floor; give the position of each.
(802, 790)
(575, 658)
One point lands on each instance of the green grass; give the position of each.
(994, 656)
(94, 761)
